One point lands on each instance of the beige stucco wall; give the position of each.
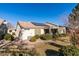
(26, 34)
(62, 30)
(42, 31)
(12, 31)
(39, 31)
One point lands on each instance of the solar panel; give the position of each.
(38, 24)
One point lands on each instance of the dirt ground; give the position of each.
(46, 49)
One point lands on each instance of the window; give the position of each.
(10, 30)
(15, 29)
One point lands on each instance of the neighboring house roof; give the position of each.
(50, 24)
(62, 27)
(1, 22)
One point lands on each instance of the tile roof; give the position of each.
(50, 24)
(26, 24)
(32, 25)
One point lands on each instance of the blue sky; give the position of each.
(39, 12)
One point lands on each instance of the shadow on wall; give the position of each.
(50, 52)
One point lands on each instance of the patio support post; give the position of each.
(50, 32)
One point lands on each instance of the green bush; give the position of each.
(55, 36)
(8, 37)
(46, 37)
(69, 51)
(2, 36)
(34, 38)
(62, 35)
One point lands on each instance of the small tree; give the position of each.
(73, 23)
(34, 38)
(69, 51)
(1, 34)
(46, 37)
(8, 37)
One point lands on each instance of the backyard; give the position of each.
(38, 47)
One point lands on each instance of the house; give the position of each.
(6, 27)
(26, 30)
(53, 28)
(11, 30)
(62, 29)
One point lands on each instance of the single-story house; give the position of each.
(26, 30)
(11, 30)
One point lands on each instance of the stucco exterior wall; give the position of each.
(62, 30)
(12, 32)
(26, 34)
(18, 29)
(42, 31)
(39, 31)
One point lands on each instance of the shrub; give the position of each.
(46, 37)
(1, 35)
(13, 33)
(69, 51)
(55, 36)
(34, 38)
(8, 37)
(62, 35)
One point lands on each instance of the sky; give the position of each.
(56, 13)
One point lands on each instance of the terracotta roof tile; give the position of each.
(30, 25)
(26, 24)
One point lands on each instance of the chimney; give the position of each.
(5, 22)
